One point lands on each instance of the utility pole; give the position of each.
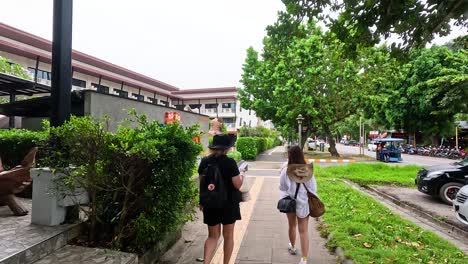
(456, 137)
(360, 135)
(61, 62)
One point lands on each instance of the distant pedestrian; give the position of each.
(288, 188)
(220, 181)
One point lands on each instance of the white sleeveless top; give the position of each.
(288, 188)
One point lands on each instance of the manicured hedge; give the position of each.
(247, 146)
(261, 144)
(15, 144)
(236, 155)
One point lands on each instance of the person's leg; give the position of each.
(214, 233)
(303, 224)
(292, 224)
(228, 235)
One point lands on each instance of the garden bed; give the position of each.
(368, 232)
(326, 155)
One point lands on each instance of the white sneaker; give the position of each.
(292, 250)
(303, 260)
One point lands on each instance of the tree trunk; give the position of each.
(332, 143)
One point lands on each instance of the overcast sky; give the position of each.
(186, 43)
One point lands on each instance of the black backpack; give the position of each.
(213, 193)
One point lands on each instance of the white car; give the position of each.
(311, 144)
(372, 146)
(460, 204)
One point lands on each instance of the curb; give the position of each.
(454, 229)
(339, 252)
(332, 160)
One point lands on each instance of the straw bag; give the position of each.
(316, 207)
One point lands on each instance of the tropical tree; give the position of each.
(307, 73)
(367, 23)
(427, 99)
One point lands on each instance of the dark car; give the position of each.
(352, 143)
(443, 181)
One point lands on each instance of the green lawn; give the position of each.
(368, 232)
(371, 173)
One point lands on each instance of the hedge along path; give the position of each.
(241, 226)
(368, 232)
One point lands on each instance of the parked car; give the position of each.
(443, 181)
(312, 144)
(372, 146)
(351, 143)
(460, 204)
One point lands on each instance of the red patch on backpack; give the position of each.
(211, 187)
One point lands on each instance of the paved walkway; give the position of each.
(266, 238)
(262, 234)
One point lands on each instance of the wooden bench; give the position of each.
(14, 181)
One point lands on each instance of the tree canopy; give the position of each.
(369, 22)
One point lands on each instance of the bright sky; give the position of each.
(186, 43)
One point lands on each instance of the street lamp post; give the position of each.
(299, 122)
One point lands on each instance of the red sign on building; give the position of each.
(170, 117)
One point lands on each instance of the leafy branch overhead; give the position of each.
(369, 22)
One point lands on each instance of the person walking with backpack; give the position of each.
(296, 179)
(220, 181)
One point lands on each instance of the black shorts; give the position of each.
(226, 216)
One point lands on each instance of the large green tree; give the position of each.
(432, 89)
(302, 70)
(357, 22)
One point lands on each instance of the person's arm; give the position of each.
(284, 186)
(236, 176)
(237, 181)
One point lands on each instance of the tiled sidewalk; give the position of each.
(266, 238)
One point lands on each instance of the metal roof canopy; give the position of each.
(12, 85)
(40, 107)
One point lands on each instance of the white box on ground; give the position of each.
(47, 207)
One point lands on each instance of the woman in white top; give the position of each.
(301, 216)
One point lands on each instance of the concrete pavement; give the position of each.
(262, 235)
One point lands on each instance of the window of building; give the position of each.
(139, 97)
(195, 106)
(121, 93)
(100, 88)
(153, 100)
(228, 105)
(229, 120)
(79, 83)
(211, 106)
(250, 112)
(240, 122)
(41, 74)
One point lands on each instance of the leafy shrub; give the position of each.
(15, 144)
(261, 144)
(270, 143)
(139, 178)
(258, 131)
(247, 146)
(236, 155)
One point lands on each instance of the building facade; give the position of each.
(90, 73)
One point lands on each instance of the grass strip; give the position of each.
(368, 232)
(371, 173)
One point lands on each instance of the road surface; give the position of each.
(407, 159)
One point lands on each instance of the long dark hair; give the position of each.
(296, 156)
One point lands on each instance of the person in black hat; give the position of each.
(230, 211)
